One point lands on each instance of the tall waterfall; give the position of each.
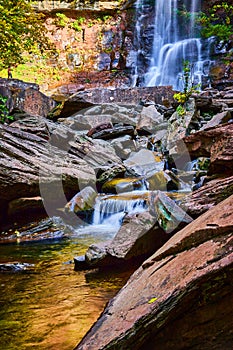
(175, 40)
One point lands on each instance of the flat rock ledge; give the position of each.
(180, 298)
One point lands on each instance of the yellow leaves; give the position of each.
(17, 233)
(152, 300)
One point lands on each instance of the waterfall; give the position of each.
(111, 210)
(175, 40)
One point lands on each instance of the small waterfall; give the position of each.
(109, 211)
(175, 41)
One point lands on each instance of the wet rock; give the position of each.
(216, 143)
(163, 180)
(196, 264)
(15, 267)
(137, 238)
(122, 185)
(140, 234)
(53, 228)
(82, 201)
(111, 173)
(169, 215)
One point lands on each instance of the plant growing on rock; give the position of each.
(189, 88)
(4, 112)
(62, 20)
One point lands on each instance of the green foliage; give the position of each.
(189, 89)
(62, 20)
(4, 112)
(21, 30)
(77, 24)
(218, 22)
(180, 109)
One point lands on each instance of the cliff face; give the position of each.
(88, 35)
(97, 36)
(79, 5)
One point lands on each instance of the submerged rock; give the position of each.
(53, 228)
(15, 267)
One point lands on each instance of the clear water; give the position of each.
(51, 306)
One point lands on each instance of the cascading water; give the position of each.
(175, 41)
(109, 211)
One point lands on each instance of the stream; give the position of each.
(50, 306)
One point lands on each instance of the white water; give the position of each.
(174, 42)
(109, 213)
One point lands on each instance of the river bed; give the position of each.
(50, 306)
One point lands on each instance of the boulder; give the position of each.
(124, 146)
(170, 216)
(26, 97)
(118, 185)
(216, 143)
(108, 133)
(211, 193)
(220, 118)
(124, 96)
(163, 180)
(179, 125)
(99, 128)
(32, 165)
(184, 288)
(149, 120)
(144, 162)
(82, 201)
(28, 159)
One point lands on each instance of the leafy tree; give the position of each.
(218, 22)
(22, 30)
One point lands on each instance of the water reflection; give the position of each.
(51, 306)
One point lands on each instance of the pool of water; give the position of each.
(51, 306)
